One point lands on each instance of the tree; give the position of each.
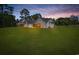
(10, 10)
(6, 17)
(6, 9)
(2, 8)
(74, 19)
(24, 12)
(63, 21)
(36, 16)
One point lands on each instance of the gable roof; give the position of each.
(36, 17)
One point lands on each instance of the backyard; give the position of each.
(60, 40)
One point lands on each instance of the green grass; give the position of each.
(60, 40)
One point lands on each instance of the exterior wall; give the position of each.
(25, 25)
(49, 24)
(30, 26)
(40, 23)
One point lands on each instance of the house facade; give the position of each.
(39, 22)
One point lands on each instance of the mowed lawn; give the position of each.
(61, 40)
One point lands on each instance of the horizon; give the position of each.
(48, 10)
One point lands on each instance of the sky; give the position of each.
(48, 10)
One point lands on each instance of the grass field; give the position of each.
(60, 40)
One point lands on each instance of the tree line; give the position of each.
(73, 20)
(7, 19)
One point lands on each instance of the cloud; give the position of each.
(64, 12)
(51, 10)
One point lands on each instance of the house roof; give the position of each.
(47, 19)
(32, 20)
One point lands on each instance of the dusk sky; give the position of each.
(48, 10)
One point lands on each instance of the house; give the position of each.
(44, 22)
(74, 17)
(36, 21)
